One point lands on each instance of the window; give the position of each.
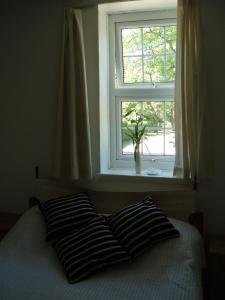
(142, 51)
(145, 53)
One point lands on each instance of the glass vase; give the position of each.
(137, 158)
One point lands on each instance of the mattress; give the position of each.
(30, 270)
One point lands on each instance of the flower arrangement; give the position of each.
(136, 124)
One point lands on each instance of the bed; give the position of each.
(30, 270)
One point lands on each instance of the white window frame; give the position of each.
(138, 92)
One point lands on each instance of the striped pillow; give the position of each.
(85, 251)
(139, 226)
(66, 213)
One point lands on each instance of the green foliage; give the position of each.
(152, 115)
(149, 54)
(135, 123)
(156, 117)
(148, 57)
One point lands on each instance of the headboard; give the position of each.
(178, 204)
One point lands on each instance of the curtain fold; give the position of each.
(73, 147)
(190, 110)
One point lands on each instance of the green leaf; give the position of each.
(128, 113)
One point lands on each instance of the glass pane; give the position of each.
(132, 69)
(154, 111)
(130, 110)
(153, 116)
(153, 41)
(169, 115)
(130, 114)
(170, 36)
(155, 47)
(170, 67)
(153, 142)
(154, 69)
(169, 142)
(127, 145)
(131, 41)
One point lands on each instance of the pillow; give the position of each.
(140, 225)
(89, 249)
(66, 213)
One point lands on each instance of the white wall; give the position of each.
(30, 41)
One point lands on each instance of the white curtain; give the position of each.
(73, 148)
(190, 111)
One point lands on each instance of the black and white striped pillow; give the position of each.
(66, 213)
(139, 226)
(85, 251)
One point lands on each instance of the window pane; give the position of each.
(154, 69)
(170, 42)
(170, 67)
(158, 119)
(153, 142)
(132, 69)
(153, 41)
(155, 113)
(169, 115)
(131, 41)
(127, 145)
(130, 113)
(170, 36)
(169, 142)
(148, 54)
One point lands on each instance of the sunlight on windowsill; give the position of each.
(147, 173)
(163, 181)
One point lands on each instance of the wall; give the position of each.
(30, 53)
(212, 191)
(30, 43)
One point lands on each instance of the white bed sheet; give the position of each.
(30, 270)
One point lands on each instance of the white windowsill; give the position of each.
(164, 181)
(131, 172)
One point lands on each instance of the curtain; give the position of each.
(190, 110)
(73, 148)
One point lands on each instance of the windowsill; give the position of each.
(131, 172)
(164, 181)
